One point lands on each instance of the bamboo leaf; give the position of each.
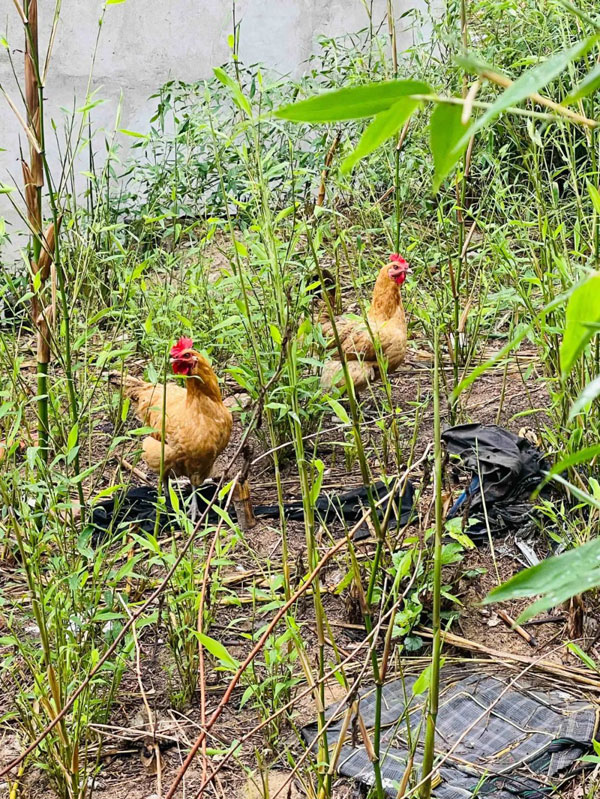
(588, 85)
(218, 651)
(72, 438)
(587, 396)
(581, 456)
(381, 128)
(582, 316)
(356, 102)
(595, 196)
(555, 579)
(529, 83)
(445, 131)
(234, 88)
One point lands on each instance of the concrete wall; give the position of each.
(143, 43)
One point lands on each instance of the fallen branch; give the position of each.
(581, 676)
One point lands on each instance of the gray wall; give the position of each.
(143, 43)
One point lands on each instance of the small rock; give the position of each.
(259, 786)
(238, 402)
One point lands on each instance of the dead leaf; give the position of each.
(148, 755)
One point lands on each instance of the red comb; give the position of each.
(183, 344)
(397, 259)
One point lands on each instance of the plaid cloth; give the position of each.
(518, 741)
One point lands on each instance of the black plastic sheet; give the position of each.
(137, 507)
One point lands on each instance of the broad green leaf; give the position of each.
(381, 128)
(587, 396)
(583, 312)
(114, 2)
(555, 580)
(218, 651)
(529, 83)
(589, 84)
(445, 131)
(356, 102)
(581, 456)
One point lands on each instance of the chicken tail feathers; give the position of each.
(131, 386)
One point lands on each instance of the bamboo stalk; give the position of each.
(326, 168)
(33, 180)
(434, 686)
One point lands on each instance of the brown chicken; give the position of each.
(197, 424)
(386, 325)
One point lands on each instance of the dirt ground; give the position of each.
(128, 768)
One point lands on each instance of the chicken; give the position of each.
(197, 424)
(386, 325)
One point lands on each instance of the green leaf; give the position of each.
(581, 456)
(529, 83)
(356, 102)
(339, 410)
(88, 106)
(218, 651)
(275, 334)
(589, 759)
(381, 128)
(577, 492)
(233, 86)
(114, 2)
(589, 662)
(555, 580)
(587, 396)
(318, 482)
(125, 130)
(445, 131)
(583, 312)
(595, 195)
(589, 84)
(423, 681)
(73, 436)
(173, 497)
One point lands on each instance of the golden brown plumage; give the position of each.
(386, 325)
(197, 423)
